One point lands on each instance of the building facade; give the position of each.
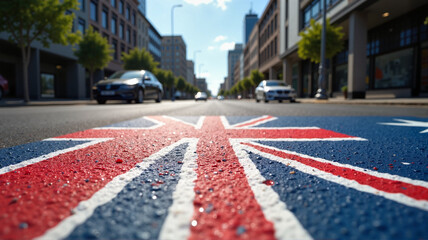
(232, 58)
(190, 77)
(201, 83)
(174, 55)
(250, 21)
(385, 47)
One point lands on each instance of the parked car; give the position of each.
(220, 97)
(137, 85)
(4, 87)
(269, 90)
(201, 96)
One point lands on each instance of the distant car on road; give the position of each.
(201, 96)
(220, 97)
(269, 90)
(4, 86)
(137, 85)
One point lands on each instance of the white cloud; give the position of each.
(222, 4)
(219, 3)
(211, 48)
(227, 46)
(220, 38)
(198, 2)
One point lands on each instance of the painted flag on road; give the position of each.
(221, 178)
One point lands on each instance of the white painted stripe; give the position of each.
(86, 208)
(359, 169)
(177, 223)
(198, 125)
(286, 225)
(156, 122)
(258, 122)
(228, 126)
(25, 163)
(397, 197)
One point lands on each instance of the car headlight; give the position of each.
(94, 87)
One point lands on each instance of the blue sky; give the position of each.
(211, 26)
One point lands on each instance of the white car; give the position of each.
(269, 90)
(201, 96)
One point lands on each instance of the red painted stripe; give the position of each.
(222, 190)
(39, 196)
(284, 133)
(379, 183)
(254, 122)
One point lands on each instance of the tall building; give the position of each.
(142, 6)
(178, 48)
(201, 83)
(233, 56)
(190, 77)
(155, 42)
(250, 21)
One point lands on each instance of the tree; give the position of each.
(256, 77)
(310, 42)
(45, 21)
(94, 53)
(138, 59)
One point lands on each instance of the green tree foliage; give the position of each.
(221, 92)
(426, 21)
(310, 42)
(256, 77)
(94, 52)
(181, 84)
(139, 59)
(45, 21)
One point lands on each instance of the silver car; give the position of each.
(269, 90)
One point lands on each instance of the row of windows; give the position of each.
(269, 31)
(314, 10)
(269, 52)
(269, 13)
(93, 13)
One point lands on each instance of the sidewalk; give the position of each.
(422, 102)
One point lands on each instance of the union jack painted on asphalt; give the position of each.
(221, 178)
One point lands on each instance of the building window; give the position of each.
(133, 19)
(94, 12)
(394, 69)
(114, 46)
(135, 38)
(82, 5)
(113, 25)
(127, 15)
(113, 3)
(121, 6)
(104, 18)
(81, 25)
(121, 30)
(128, 35)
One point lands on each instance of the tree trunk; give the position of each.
(25, 63)
(91, 82)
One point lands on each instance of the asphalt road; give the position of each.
(20, 125)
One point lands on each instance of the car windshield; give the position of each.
(274, 83)
(126, 75)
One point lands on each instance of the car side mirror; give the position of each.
(146, 78)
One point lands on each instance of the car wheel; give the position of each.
(159, 99)
(257, 100)
(293, 100)
(128, 101)
(140, 96)
(101, 101)
(280, 101)
(266, 101)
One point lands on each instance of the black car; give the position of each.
(137, 85)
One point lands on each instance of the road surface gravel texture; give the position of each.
(216, 177)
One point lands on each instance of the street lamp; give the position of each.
(321, 92)
(172, 46)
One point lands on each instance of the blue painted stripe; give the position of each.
(386, 149)
(17, 154)
(140, 209)
(135, 123)
(331, 211)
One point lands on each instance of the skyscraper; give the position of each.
(250, 21)
(142, 6)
